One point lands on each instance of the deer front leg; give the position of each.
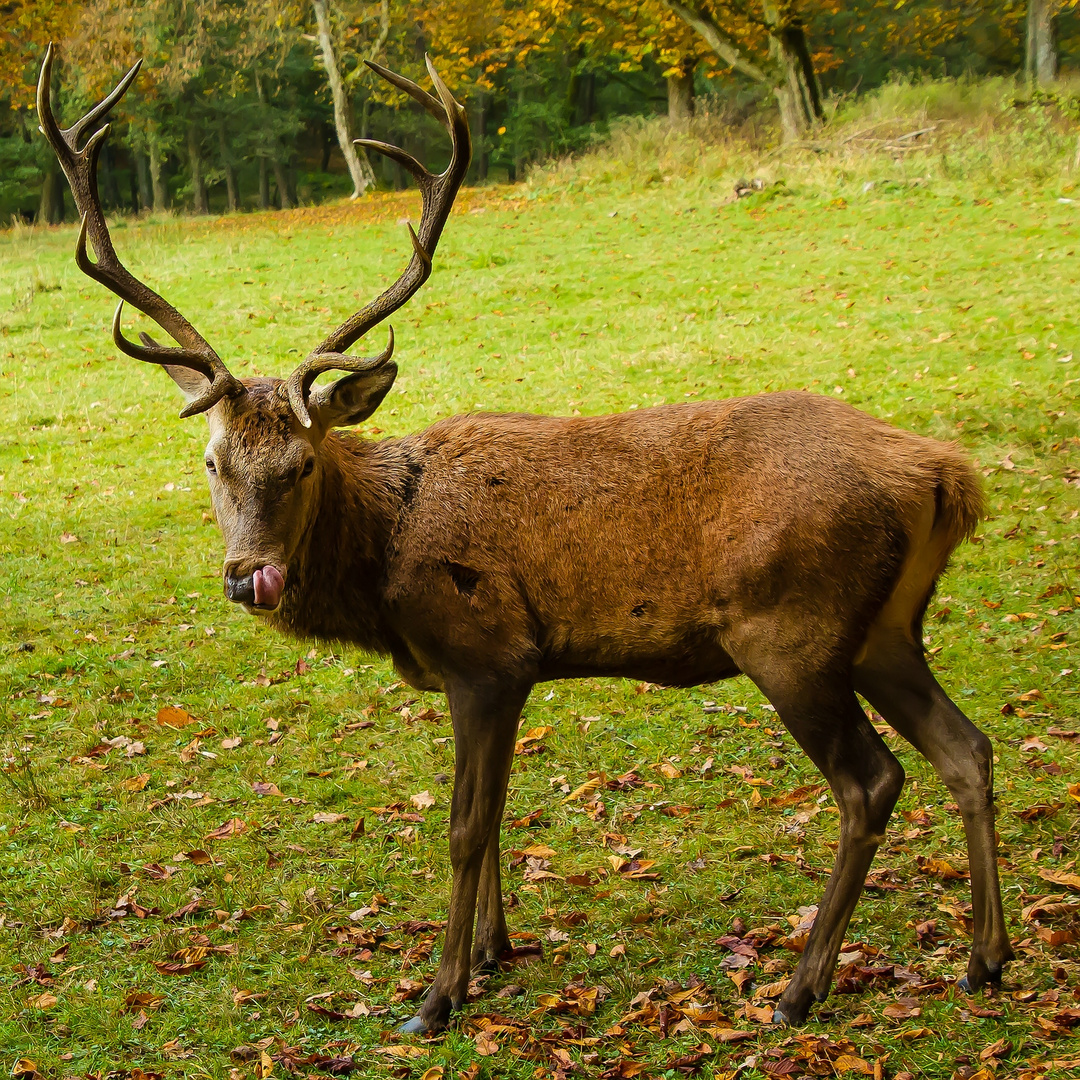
(492, 938)
(866, 781)
(485, 725)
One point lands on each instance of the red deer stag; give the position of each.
(787, 537)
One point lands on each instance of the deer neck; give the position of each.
(334, 586)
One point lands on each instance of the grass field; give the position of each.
(223, 854)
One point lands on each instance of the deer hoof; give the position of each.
(415, 1026)
(792, 1013)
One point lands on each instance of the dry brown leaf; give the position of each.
(540, 851)
(1061, 877)
(232, 827)
(422, 800)
(42, 1001)
(998, 1049)
(401, 1050)
(771, 990)
(588, 788)
(142, 1000)
(485, 1044)
(169, 716)
(759, 1014)
(730, 1035)
(902, 1010)
(264, 787)
(136, 783)
(329, 819)
(849, 1063)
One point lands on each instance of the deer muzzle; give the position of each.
(260, 589)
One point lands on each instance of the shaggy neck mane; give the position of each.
(334, 585)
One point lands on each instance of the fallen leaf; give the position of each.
(402, 1050)
(1061, 877)
(168, 716)
(198, 857)
(422, 800)
(42, 1001)
(485, 1045)
(730, 1035)
(178, 967)
(998, 1049)
(264, 787)
(136, 783)
(232, 827)
(849, 1063)
(141, 1000)
(905, 1009)
(329, 819)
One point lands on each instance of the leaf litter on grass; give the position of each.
(663, 849)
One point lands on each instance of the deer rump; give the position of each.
(657, 544)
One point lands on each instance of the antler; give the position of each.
(438, 194)
(80, 168)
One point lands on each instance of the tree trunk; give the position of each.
(142, 174)
(201, 203)
(1041, 59)
(791, 73)
(517, 167)
(110, 193)
(797, 91)
(327, 146)
(479, 139)
(133, 187)
(282, 184)
(232, 193)
(680, 96)
(157, 174)
(291, 176)
(51, 204)
(264, 184)
(585, 106)
(362, 179)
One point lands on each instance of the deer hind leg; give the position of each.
(893, 676)
(485, 725)
(866, 780)
(491, 938)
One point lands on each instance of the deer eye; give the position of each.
(308, 469)
(211, 468)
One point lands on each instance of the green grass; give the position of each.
(944, 307)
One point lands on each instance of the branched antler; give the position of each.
(438, 193)
(80, 168)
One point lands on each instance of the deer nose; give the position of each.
(240, 590)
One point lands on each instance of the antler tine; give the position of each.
(418, 93)
(80, 168)
(438, 193)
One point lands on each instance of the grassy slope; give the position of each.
(948, 314)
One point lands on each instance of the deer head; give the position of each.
(262, 457)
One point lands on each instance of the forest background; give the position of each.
(255, 104)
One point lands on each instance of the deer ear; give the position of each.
(352, 399)
(192, 384)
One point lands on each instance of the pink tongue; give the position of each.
(268, 584)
